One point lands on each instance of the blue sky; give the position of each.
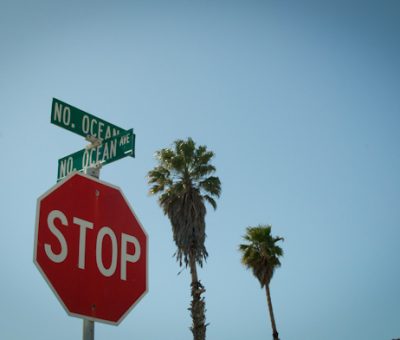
(300, 103)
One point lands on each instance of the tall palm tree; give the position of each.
(184, 183)
(261, 255)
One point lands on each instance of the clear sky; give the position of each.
(298, 99)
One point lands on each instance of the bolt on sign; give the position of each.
(91, 248)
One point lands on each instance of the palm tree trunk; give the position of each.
(275, 334)
(197, 307)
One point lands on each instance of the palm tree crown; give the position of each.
(183, 181)
(261, 254)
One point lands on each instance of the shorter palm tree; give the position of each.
(261, 255)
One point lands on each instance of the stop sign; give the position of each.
(91, 248)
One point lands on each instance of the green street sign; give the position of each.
(108, 151)
(81, 122)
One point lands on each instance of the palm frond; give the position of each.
(261, 254)
(182, 182)
(211, 185)
(210, 200)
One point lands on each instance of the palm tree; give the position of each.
(261, 255)
(184, 183)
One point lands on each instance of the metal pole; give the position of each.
(88, 325)
(88, 330)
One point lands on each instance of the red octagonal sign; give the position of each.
(91, 248)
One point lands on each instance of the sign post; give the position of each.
(88, 325)
(88, 330)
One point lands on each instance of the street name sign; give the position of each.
(81, 122)
(108, 151)
(108, 141)
(91, 248)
